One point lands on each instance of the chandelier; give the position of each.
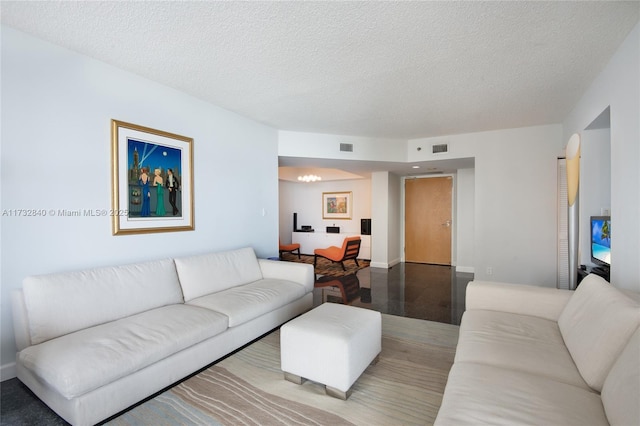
(309, 178)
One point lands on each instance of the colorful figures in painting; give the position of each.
(158, 183)
(146, 195)
(172, 185)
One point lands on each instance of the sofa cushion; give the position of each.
(621, 389)
(520, 299)
(244, 303)
(88, 359)
(596, 324)
(484, 394)
(62, 303)
(517, 342)
(213, 272)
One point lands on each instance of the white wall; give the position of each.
(595, 183)
(387, 220)
(320, 145)
(464, 224)
(306, 200)
(516, 220)
(56, 112)
(380, 220)
(618, 86)
(395, 220)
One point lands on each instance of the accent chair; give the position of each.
(349, 251)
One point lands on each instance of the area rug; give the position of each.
(404, 388)
(326, 267)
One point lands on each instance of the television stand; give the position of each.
(598, 270)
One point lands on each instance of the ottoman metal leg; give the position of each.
(293, 378)
(336, 393)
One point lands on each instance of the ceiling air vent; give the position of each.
(346, 147)
(440, 148)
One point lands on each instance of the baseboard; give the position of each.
(8, 371)
(465, 269)
(385, 265)
(394, 262)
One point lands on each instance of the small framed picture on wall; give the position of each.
(337, 205)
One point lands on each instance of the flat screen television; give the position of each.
(601, 242)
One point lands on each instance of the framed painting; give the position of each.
(336, 205)
(152, 180)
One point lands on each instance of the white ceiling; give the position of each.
(378, 69)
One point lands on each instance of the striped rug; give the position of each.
(404, 388)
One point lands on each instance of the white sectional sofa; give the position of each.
(94, 342)
(539, 356)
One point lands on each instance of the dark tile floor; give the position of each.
(429, 292)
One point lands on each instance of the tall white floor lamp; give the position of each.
(573, 223)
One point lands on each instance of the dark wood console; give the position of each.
(582, 273)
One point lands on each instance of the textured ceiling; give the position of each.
(380, 69)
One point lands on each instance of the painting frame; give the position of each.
(133, 193)
(337, 205)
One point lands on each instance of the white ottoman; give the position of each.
(332, 345)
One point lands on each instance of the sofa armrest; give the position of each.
(20, 320)
(543, 302)
(301, 273)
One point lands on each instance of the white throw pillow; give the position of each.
(596, 325)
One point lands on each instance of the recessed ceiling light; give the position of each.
(415, 167)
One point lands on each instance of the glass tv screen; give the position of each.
(601, 240)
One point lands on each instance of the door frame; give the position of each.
(454, 213)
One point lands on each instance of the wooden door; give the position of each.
(428, 220)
